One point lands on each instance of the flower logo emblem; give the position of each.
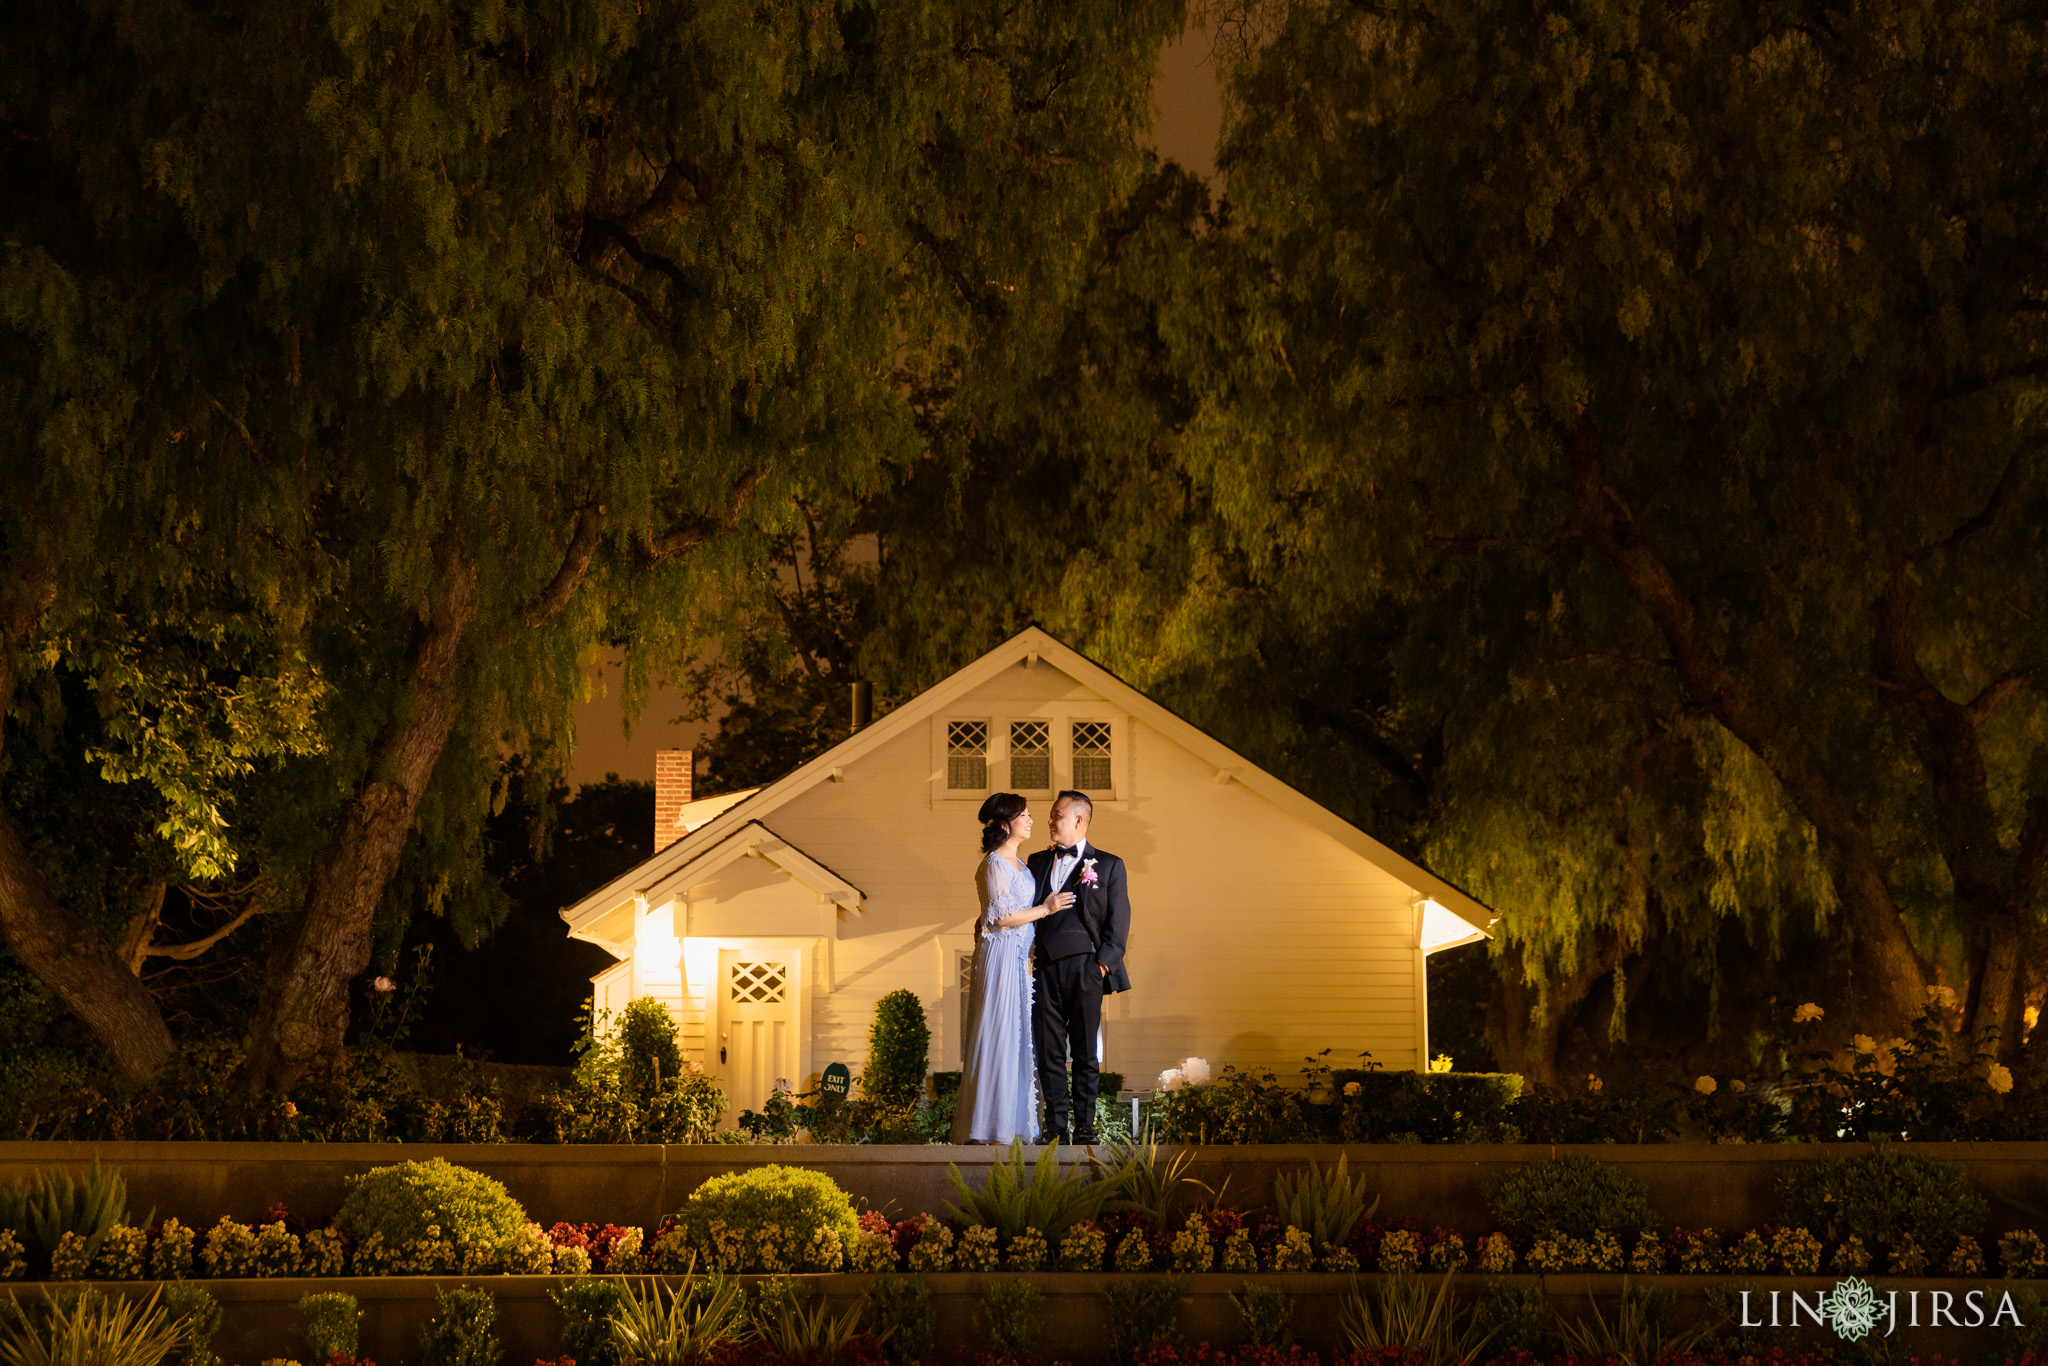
(1853, 1309)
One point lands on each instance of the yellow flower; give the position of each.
(1706, 1086)
(1593, 1082)
(1738, 1085)
(1806, 1012)
(1352, 1088)
(1999, 1078)
(1863, 1043)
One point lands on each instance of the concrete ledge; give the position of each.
(1693, 1184)
(260, 1318)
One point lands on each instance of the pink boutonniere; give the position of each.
(1088, 877)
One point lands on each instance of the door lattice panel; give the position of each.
(764, 984)
(963, 968)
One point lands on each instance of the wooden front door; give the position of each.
(757, 1020)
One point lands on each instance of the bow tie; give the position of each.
(1064, 851)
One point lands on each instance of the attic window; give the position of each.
(967, 756)
(1031, 755)
(1091, 756)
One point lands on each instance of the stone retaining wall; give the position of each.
(260, 1318)
(1692, 1184)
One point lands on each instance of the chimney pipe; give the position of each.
(863, 704)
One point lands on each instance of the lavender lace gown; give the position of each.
(999, 1080)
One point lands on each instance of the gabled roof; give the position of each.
(1031, 645)
(610, 925)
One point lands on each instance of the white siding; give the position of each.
(1256, 940)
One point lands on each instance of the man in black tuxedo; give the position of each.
(1080, 959)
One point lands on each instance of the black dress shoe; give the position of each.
(1086, 1140)
(1052, 1136)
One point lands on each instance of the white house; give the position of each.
(1263, 927)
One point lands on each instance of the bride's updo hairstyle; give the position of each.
(995, 816)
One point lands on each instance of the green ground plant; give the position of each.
(799, 1200)
(648, 1053)
(900, 1314)
(1640, 1334)
(588, 1304)
(90, 1328)
(1572, 1194)
(1018, 1194)
(1882, 1196)
(400, 1204)
(899, 1050)
(330, 1321)
(1324, 1204)
(1404, 1314)
(1143, 1310)
(653, 1325)
(460, 1333)
(1267, 1313)
(53, 1203)
(1010, 1317)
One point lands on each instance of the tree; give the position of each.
(439, 347)
(1596, 450)
(1679, 373)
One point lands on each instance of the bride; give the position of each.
(998, 1082)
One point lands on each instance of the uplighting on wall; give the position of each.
(700, 964)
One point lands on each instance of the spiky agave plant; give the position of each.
(655, 1326)
(54, 1203)
(1142, 1184)
(90, 1327)
(1018, 1196)
(1639, 1334)
(1403, 1312)
(1326, 1205)
(801, 1328)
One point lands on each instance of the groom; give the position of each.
(1080, 960)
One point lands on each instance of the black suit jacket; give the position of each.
(1097, 924)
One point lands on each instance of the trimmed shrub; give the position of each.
(899, 1049)
(648, 1054)
(401, 1204)
(797, 1201)
(1571, 1194)
(587, 1304)
(198, 1316)
(901, 1309)
(460, 1331)
(1881, 1198)
(331, 1319)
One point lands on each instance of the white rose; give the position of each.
(1706, 1086)
(1196, 1070)
(1172, 1079)
(1999, 1078)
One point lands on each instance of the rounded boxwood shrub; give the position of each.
(1882, 1196)
(401, 1203)
(1571, 1194)
(800, 1200)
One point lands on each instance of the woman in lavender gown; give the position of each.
(998, 1082)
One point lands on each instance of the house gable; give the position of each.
(1072, 677)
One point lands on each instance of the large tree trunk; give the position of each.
(1887, 981)
(1525, 1024)
(1991, 882)
(72, 957)
(304, 1017)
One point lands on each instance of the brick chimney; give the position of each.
(674, 770)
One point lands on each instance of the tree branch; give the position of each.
(653, 550)
(1979, 708)
(259, 904)
(575, 564)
